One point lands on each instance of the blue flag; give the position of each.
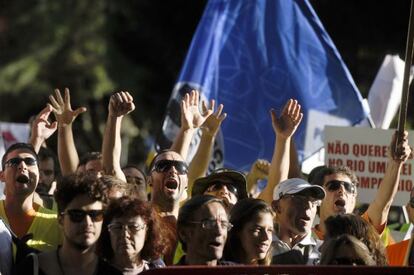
(252, 56)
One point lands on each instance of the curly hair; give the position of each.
(132, 207)
(243, 212)
(72, 186)
(358, 227)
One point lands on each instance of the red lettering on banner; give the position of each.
(369, 183)
(356, 165)
(377, 166)
(335, 162)
(338, 148)
(405, 185)
(369, 150)
(406, 169)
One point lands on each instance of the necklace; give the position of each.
(59, 263)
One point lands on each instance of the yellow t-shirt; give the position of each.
(45, 229)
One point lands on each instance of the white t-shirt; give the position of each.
(6, 253)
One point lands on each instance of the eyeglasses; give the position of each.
(217, 186)
(132, 228)
(348, 261)
(78, 215)
(334, 185)
(412, 202)
(13, 162)
(302, 199)
(164, 165)
(211, 224)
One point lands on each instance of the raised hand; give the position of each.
(289, 120)
(212, 124)
(402, 151)
(62, 108)
(191, 118)
(120, 104)
(41, 127)
(260, 169)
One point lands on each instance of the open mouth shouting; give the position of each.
(340, 206)
(171, 185)
(23, 179)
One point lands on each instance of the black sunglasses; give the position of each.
(16, 161)
(164, 165)
(218, 185)
(334, 185)
(78, 215)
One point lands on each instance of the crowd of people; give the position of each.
(65, 214)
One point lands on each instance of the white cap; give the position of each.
(296, 185)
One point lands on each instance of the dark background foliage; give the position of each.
(96, 47)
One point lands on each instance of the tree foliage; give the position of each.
(96, 47)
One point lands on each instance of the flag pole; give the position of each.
(406, 79)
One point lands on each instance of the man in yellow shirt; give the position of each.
(20, 173)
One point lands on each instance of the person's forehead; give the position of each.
(170, 155)
(82, 201)
(337, 176)
(133, 172)
(212, 210)
(129, 220)
(20, 153)
(47, 163)
(93, 163)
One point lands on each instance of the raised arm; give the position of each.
(284, 127)
(120, 104)
(191, 119)
(209, 129)
(378, 210)
(42, 129)
(68, 156)
(258, 171)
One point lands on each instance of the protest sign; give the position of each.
(365, 150)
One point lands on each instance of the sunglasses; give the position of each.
(217, 186)
(165, 165)
(13, 162)
(78, 215)
(334, 185)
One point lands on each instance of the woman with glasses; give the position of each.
(132, 239)
(250, 239)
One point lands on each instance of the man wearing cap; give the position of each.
(226, 184)
(295, 202)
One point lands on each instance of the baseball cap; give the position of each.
(296, 185)
(235, 178)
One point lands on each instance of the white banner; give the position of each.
(364, 150)
(11, 133)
